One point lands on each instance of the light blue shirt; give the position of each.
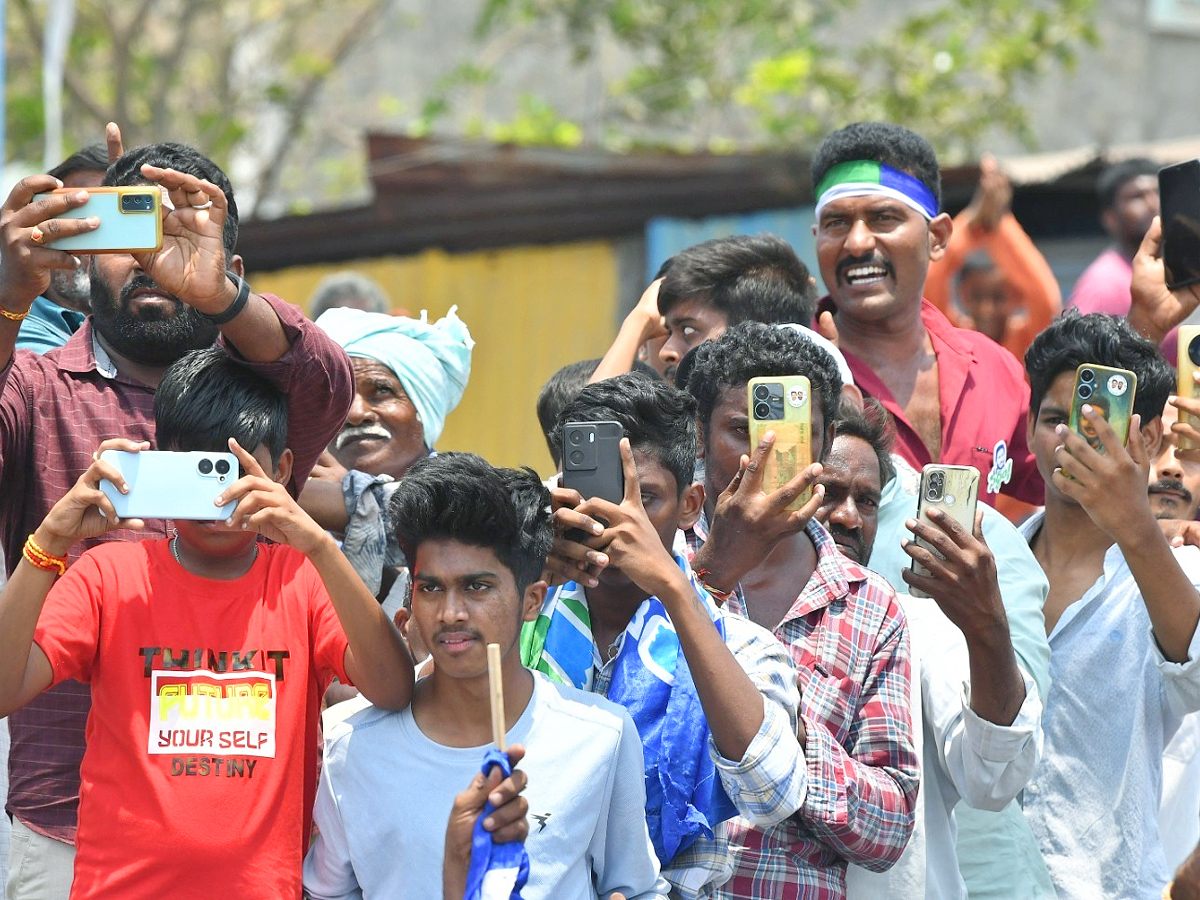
(1113, 704)
(998, 856)
(47, 326)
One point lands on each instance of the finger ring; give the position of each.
(36, 235)
(201, 205)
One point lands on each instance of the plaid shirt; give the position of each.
(849, 639)
(767, 784)
(54, 411)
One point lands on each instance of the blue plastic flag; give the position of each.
(497, 871)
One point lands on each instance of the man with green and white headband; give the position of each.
(956, 396)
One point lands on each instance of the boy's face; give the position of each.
(1054, 410)
(667, 509)
(215, 538)
(464, 598)
(690, 323)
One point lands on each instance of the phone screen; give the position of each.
(1179, 198)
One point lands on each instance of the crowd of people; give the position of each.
(711, 686)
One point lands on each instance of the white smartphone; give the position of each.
(955, 491)
(171, 485)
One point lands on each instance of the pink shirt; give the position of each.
(1104, 286)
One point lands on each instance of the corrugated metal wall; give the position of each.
(531, 311)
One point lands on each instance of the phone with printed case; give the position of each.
(955, 491)
(782, 404)
(1110, 392)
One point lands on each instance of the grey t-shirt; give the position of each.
(386, 791)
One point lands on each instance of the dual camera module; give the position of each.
(768, 401)
(207, 468)
(1087, 381)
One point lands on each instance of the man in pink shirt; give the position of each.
(1128, 195)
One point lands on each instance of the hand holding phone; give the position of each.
(954, 490)
(130, 220)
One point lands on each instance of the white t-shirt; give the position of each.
(386, 791)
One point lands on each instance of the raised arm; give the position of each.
(643, 323)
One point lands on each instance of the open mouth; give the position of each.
(857, 276)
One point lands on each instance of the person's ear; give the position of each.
(940, 229)
(691, 502)
(403, 614)
(699, 439)
(283, 468)
(237, 265)
(1152, 435)
(1108, 218)
(531, 603)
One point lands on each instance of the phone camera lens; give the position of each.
(205, 466)
(762, 392)
(1194, 350)
(576, 457)
(576, 438)
(222, 467)
(762, 410)
(1085, 391)
(1087, 375)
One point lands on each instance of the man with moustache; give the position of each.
(148, 310)
(57, 314)
(1174, 475)
(955, 395)
(409, 374)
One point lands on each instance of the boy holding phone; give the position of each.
(207, 654)
(1121, 617)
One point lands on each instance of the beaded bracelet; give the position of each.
(40, 559)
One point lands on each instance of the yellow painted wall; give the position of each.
(531, 311)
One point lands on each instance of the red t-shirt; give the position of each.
(200, 769)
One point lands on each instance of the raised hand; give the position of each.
(28, 229)
(265, 507)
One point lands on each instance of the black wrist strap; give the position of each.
(238, 304)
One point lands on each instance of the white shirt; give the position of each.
(1179, 812)
(1114, 703)
(386, 791)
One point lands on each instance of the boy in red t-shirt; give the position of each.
(207, 656)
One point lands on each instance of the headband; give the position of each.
(863, 178)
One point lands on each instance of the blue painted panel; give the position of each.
(667, 236)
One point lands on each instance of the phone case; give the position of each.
(1179, 200)
(955, 491)
(1111, 391)
(167, 485)
(130, 220)
(1189, 362)
(782, 404)
(592, 459)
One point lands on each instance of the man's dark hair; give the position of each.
(657, 418)
(882, 142)
(872, 424)
(563, 387)
(1116, 176)
(334, 290)
(747, 278)
(182, 158)
(92, 158)
(1072, 340)
(753, 350)
(979, 261)
(461, 497)
(206, 397)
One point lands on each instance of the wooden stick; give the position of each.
(496, 684)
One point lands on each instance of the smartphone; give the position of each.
(1110, 392)
(130, 220)
(1179, 203)
(592, 459)
(782, 404)
(1189, 362)
(169, 485)
(955, 491)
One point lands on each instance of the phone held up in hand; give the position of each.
(171, 485)
(591, 460)
(130, 220)
(1179, 203)
(1108, 391)
(782, 404)
(955, 491)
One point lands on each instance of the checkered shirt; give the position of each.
(849, 639)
